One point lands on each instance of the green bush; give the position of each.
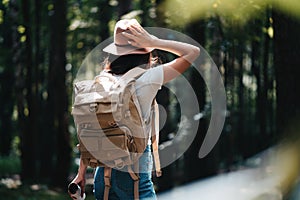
(10, 165)
(26, 193)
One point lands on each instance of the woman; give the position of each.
(132, 47)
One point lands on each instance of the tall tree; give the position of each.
(45, 138)
(196, 30)
(29, 133)
(6, 78)
(106, 12)
(124, 7)
(58, 101)
(265, 125)
(286, 61)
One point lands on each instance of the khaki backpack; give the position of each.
(110, 128)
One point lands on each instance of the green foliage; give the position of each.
(10, 165)
(239, 11)
(27, 193)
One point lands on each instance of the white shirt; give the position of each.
(147, 86)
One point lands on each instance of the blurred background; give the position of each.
(254, 43)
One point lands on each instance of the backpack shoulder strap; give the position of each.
(155, 137)
(106, 75)
(133, 73)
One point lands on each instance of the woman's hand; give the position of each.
(139, 37)
(80, 177)
(80, 180)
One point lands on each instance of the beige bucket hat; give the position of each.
(120, 45)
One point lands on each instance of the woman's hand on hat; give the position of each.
(139, 37)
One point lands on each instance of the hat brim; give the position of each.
(125, 49)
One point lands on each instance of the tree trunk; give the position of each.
(7, 81)
(105, 13)
(58, 101)
(287, 62)
(192, 162)
(29, 133)
(124, 7)
(257, 68)
(45, 142)
(16, 61)
(244, 137)
(265, 128)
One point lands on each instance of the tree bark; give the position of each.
(265, 128)
(124, 7)
(7, 81)
(196, 30)
(58, 101)
(257, 68)
(29, 133)
(287, 62)
(105, 13)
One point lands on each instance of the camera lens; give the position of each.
(73, 187)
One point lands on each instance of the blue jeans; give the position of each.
(122, 183)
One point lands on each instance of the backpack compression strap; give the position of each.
(107, 180)
(107, 177)
(131, 74)
(155, 138)
(136, 179)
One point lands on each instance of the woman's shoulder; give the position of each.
(152, 74)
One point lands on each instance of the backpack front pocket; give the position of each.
(115, 142)
(108, 145)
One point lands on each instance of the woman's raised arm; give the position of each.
(186, 53)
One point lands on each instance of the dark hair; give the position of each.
(122, 64)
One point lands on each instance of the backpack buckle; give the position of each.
(93, 107)
(119, 163)
(93, 163)
(113, 124)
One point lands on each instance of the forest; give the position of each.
(253, 43)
